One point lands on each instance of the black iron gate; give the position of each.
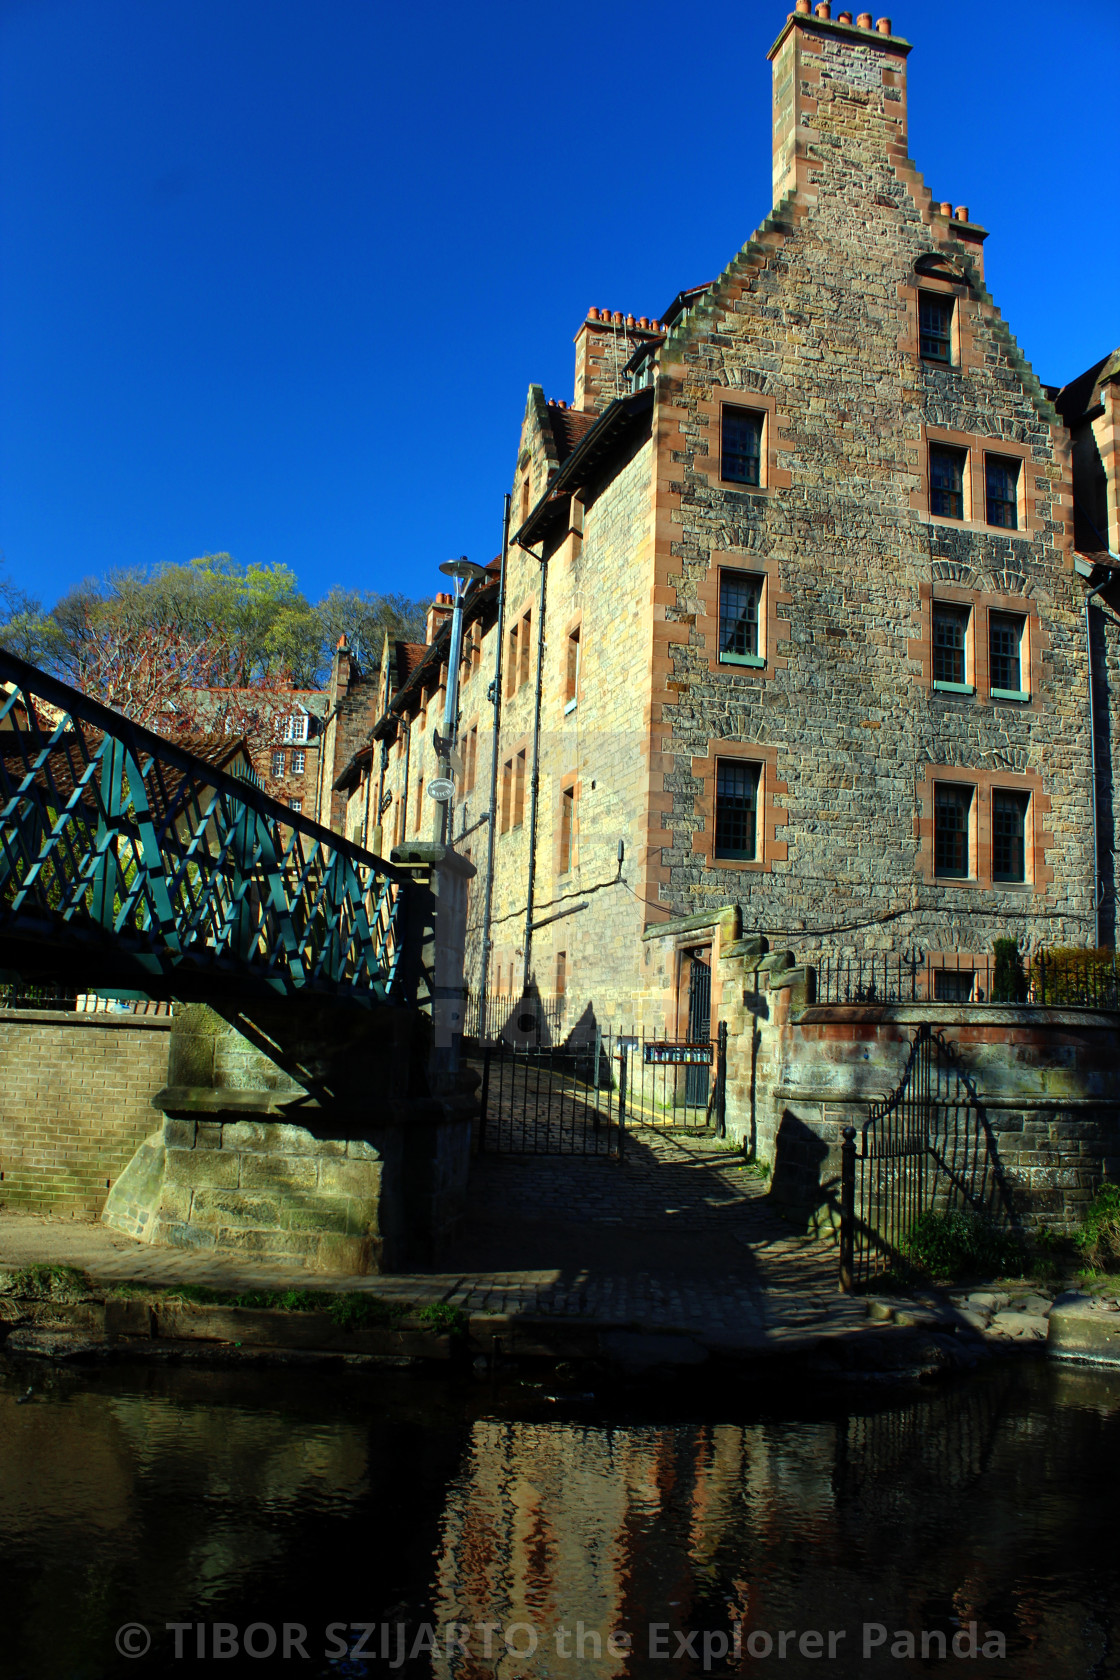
(581, 1098)
(697, 1079)
(923, 1147)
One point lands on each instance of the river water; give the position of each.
(390, 1524)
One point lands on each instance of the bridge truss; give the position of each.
(127, 861)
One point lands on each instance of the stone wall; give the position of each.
(813, 326)
(75, 1102)
(1047, 1083)
(316, 1133)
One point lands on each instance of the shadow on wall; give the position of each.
(797, 1188)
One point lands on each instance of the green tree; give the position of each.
(24, 628)
(364, 618)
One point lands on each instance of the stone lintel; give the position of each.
(701, 922)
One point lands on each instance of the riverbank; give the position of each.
(675, 1261)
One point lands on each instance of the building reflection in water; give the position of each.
(961, 1506)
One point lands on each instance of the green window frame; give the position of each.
(740, 608)
(950, 648)
(1005, 656)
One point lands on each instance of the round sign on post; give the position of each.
(442, 789)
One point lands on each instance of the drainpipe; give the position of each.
(406, 725)
(534, 795)
(488, 902)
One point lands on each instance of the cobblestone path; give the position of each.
(677, 1237)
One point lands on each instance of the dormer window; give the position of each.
(295, 727)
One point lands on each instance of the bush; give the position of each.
(1009, 982)
(1099, 1236)
(960, 1243)
(1071, 974)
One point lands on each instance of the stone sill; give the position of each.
(959, 1014)
(76, 1018)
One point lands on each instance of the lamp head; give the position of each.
(464, 571)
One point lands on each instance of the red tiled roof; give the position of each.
(569, 427)
(409, 655)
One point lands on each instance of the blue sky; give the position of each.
(277, 273)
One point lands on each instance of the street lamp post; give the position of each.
(464, 572)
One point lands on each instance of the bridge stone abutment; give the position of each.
(312, 1129)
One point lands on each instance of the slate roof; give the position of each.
(1076, 398)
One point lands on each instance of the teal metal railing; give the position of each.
(120, 852)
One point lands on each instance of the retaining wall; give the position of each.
(75, 1102)
(1047, 1084)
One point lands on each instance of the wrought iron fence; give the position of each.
(516, 1019)
(17, 994)
(1052, 977)
(924, 1146)
(579, 1098)
(118, 842)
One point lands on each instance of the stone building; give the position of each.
(793, 620)
(282, 728)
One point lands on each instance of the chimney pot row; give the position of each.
(643, 321)
(884, 26)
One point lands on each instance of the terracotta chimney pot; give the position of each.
(884, 26)
(845, 17)
(804, 7)
(592, 314)
(946, 209)
(643, 320)
(962, 213)
(824, 9)
(864, 20)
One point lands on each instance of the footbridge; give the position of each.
(128, 861)
(312, 1105)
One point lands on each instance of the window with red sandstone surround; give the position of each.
(935, 327)
(740, 459)
(571, 670)
(523, 649)
(953, 804)
(946, 481)
(567, 829)
(517, 815)
(1001, 479)
(736, 809)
